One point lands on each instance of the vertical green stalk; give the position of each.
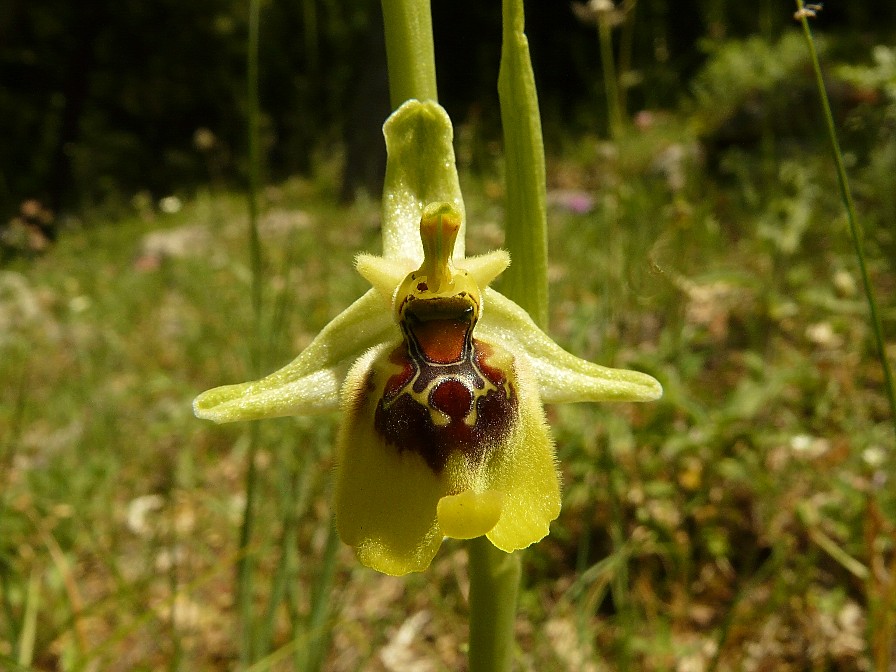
(254, 178)
(494, 579)
(608, 63)
(312, 657)
(626, 47)
(245, 562)
(409, 50)
(855, 228)
(619, 580)
(495, 575)
(877, 626)
(526, 281)
(29, 620)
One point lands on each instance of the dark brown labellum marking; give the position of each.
(447, 394)
(453, 398)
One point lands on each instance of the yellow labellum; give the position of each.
(440, 379)
(443, 433)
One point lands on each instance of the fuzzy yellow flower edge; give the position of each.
(440, 379)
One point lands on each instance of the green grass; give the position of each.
(746, 521)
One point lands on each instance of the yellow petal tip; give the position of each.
(470, 514)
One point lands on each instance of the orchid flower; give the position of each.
(440, 379)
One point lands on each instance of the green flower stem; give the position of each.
(245, 564)
(855, 227)
(611, 87)
(254, 181)
(495, 575)
(494, 579)
(409, 50)
(526, 281)
(626, 46)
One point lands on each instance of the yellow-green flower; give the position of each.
(439, 378)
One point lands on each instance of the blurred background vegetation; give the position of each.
(744, 522)
(102, 99)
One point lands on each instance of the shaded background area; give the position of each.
(102, 99)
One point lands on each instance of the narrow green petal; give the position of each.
(312, 381)
(485, 267)
(304, 395)
(562, 377)
(386, 499)
(384, 274)
(420, 170)
(524, 179)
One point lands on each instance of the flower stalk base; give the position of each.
(494, 581)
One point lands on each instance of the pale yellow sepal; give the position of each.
(420, 171)
(562, 377)
(469, 514)
(311, 383)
